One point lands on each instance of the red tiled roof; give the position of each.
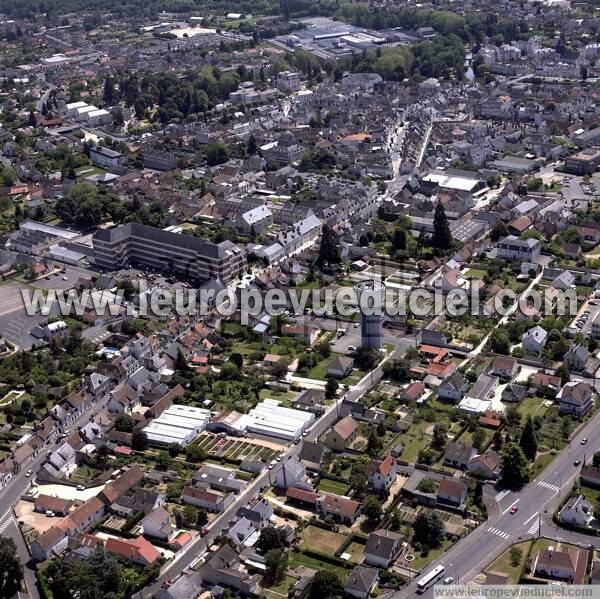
(135, 549)
(302, 495)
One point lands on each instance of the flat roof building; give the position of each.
(177, 424)
(271, 419)
(190, 256)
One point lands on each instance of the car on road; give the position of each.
(584, 440)
(50, 514)
(305, 434)
(28, 473)
(448, 580)
(204, 532)
(576, 463)
(80, 488)
(514, 509)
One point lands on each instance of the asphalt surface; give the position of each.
(535, 502)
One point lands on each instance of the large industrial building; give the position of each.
(187, 255)
(271, 419)
(371, 325)
(177, 424)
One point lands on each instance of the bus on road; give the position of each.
(429, 579)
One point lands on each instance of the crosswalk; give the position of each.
(8, 522)
(535, 527)
(500, 496)
(500, 533)
(550, 486)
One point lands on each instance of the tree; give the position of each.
(139, 440)
(499, 342)
(109, 90)
(201, 518)
(252, 147)
(173, 449)
(429, 529)
(372, 509)
(216, 153)
(563, 372)
(11, 568)
(328, 251)
(124, 423)
(195, 453)
(325, 584)
(374, 443)
(276, 563)
(478, 438)
(528, 441)
(237, 359)
(271, 538)
(441, 238)
(31, 121)
(515, 470)
(515, 554)
(118, 119)
(440, 436)
(498, 231)
(366, 358)
(189, 515)
(331, 388)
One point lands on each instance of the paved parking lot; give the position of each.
(583, 321)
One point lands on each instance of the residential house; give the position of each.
(568, 564)
(413, 392)
(452, 492)
(260, 513)
(458, 454)
(157, 524)
(578, 510)
(139, 550)
(565, 280)
(301, 333)
(514, 248)
(243, 534)
(382, 548)
(312, 455)
(361, 582)
(534, 340)
(188, 585)
(121, 485)
(290, 473)
(224, 568)
(454, 387)
(209, 499)
(341, 509)
(504, 368)
(486, 465)
(44, 503)
(342, 435)
(576, 357)
(575, 398)
(545, 384)
(340, 367)
(514, 393)
(381, 474)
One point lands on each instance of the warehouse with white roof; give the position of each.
(271, 419)
(177, 424)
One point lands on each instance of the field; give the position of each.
(299, 559)
(503, 563)
(333, 486)
(233, 449)
(319, 539)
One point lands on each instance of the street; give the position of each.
(536, 502)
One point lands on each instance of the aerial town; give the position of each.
(299, 299)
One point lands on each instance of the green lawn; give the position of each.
(475, 273)
(503, 563)
(356, 550)
(299, 559)
(320, 539)
(421, 560)
(333, 486)
(279, 590)
(319, 371)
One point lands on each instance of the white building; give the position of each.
(177, 424)
(271, 419)
(99, 117)
(513, 248)
(288, 81)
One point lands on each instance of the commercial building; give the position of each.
(177, 424)
(371, 324)
(271, 419)
(159, 161)
(583, 163)
(106, 157)
(171, 252)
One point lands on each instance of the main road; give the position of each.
(535, 504)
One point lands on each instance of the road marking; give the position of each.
(499, 533)
(534, 528)
(532, 517)
(500, 496)
(8, 522)
(547, 485)
(511, 505)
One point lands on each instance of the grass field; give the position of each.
(503, 563)
(333, 486)
(319, 539)
(299, 559)
(279, 590)
(356, 550)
